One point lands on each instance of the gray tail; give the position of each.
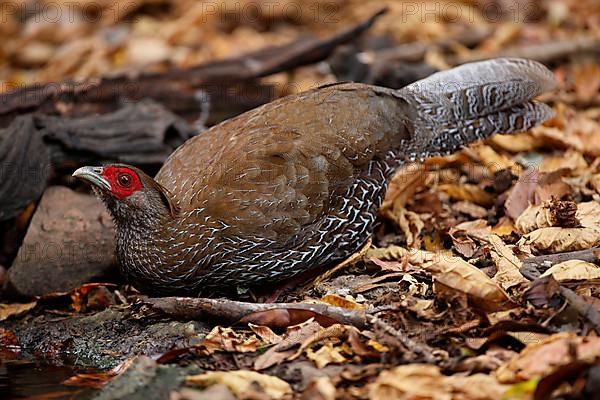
(453, 108)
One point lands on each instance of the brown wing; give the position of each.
(283, 166)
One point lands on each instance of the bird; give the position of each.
(295, 185)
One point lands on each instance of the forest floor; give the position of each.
(482, 280)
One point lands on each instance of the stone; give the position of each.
(70, 241)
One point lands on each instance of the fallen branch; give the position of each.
(232, 311)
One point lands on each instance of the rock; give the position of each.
(69, 242)
(144, 380)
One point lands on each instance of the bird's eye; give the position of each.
(124, 180)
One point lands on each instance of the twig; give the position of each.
(231, 311)
(584, 308)
(416, 348)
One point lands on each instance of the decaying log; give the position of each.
(142, 133)
(139, 133)
(24, 166)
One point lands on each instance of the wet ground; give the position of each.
(21, 379)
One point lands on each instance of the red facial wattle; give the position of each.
(123, 181)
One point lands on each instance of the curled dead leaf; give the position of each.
(507, 265)
(421, 381)
(265, 333)
(556, 240)
(339, 301)
(243, 383)
(573, 270)
(517, 143)
(558, 213)
(457, 274)
(539, 359)
(468, 192)
(226, 339)
(327, 354)
(15, 309)
(493, 160)
(403, 185)
(559, 240)
(294, 336)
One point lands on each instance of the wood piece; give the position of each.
(24, 166)
(142, 133)
(231, 311)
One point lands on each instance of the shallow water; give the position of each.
(21, 379)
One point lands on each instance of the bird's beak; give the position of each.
(92, 175)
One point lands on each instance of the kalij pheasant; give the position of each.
(295, 184)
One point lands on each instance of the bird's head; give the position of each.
(127, 191)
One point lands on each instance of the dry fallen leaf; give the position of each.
(265, 333)
(539, 359)
(339, 301)
(572, 160)
(559, 240)
(15, 309)
(294, 335)
(457, 274)
(411, 225)
(226, 339)
(421, 381)
(243, 383)
(470, 209)
(573, 270)
(563, 214)
(327, 354)
(521, 194)
(518, 143)
(507, 265)
(403, 185)
(468, 192)
(476, 229)
(333, 331)
(555, 239)
(493, 160)
(320, 388)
